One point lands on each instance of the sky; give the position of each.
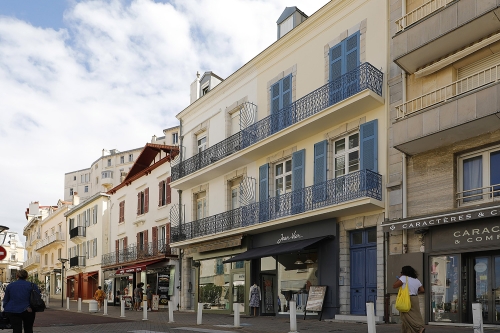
(77, 77)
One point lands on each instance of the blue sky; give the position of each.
(77, 77)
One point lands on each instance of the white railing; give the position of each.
(483, 194)
(32, 260)
(50, 239)
(420, 12)
(451, 90)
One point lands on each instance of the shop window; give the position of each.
(239, 264)
(445, 288)
(479, 176)
(213, 289)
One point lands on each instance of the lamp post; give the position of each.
(63, 261)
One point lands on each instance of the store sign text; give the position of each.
(477, 235)
(292, 236)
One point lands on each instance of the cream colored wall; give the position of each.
(53, 221)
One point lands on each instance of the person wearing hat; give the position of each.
(149, 296)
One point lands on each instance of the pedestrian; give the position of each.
(99, 297)
(411, 321)
(138, 294)
(16, 303)
(149, 296)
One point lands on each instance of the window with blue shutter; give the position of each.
(219, 267)
(369, 145)
(281, 98)
(264, 192)
(320, 171)
(344, 58)
(298, 180)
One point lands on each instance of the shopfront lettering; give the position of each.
(448, 218)
(292, 236)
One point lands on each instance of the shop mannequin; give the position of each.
(255, 298)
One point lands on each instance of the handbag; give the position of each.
(4, 322)
(36, 302)
(403, 302)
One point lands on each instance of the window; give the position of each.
(143, 202)
(109, 162)
(121, 217)
(122, 159)
(281, 97)
(235, 197)
(71, 191)
(86, 189)
(346, 154)
(59, 252)
(201, 206)
(94, 214)
(97, 180)
(107, 174)
(175, 138)
(164, 192)
(205, 91)
(283, 177)
(71, 223)
(74, 177)
(82, 178)
(130, 157)
(46, 259)
(13, 256)
(344, 58)
(52, 258)
(479, 174)
(202, 144)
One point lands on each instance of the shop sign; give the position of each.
(443, 219)
(131, 269)
(478, 234)
(293, 236)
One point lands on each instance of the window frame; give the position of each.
(122, 159)
(347, 151)
(283, 175)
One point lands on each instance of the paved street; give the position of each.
(55, 320)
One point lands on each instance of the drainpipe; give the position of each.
(403, 188)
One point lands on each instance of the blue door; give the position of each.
(363, 269)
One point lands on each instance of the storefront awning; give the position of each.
(136, 268)
(273, 250)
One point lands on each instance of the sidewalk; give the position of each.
(72, 321)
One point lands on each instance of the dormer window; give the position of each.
(204, 91)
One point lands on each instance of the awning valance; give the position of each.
(136, 268)
(273, 250)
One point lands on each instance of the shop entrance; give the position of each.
(363, 269)
(486, 286)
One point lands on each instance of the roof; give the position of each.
(211, 74)
(86, 202)
(289, 11)
(143, 166)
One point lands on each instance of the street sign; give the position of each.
(3, 253)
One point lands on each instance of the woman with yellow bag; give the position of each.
(411, 318)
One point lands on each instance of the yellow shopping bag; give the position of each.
(403, 303)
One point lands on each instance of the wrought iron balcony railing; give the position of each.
(136, 252)
(363, 77)
(363, 183)
(78, 261)
(77, 232)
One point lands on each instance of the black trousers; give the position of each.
(18, 320)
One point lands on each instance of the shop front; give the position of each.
(461, 263)
(285, 263)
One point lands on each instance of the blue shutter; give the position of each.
(351, 63)
(336, 71)
(264, 192)
(286, 101)
(298, 175)
(369, 145)
(320, 170)
(275, 97)
(495, 172)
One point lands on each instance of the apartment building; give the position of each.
(444, 155)
(139, 228)
(14, 258)
(283, 166)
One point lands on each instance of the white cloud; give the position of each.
(117, 74)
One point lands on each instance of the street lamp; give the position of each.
(63, 261)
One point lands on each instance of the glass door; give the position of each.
(486, 272)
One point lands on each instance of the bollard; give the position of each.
(79, 305)
(170, 311)
(293, 317)
(67, 303)
(122, 308)
(370, 317)
(47, 303)
(200, 311)
(145, 310)
(477, 317)
(236, 309)
(105, 313)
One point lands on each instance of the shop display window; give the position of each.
(214, 284)
(445, 288)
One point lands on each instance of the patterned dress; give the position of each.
(254, 297)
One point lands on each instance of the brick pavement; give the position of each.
(57, 319)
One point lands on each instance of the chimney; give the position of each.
(34, 208)
(76, 199)
(195, 89)
(289, 19)
(153, 139)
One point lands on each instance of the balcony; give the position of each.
(78, 234)
(478, 196)
(440, 27)
(32, 262)
(137, 253)
(358, 188)
(461, 110)
(34, 240)
(78, 261)
(350, 95)
(50, 240)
